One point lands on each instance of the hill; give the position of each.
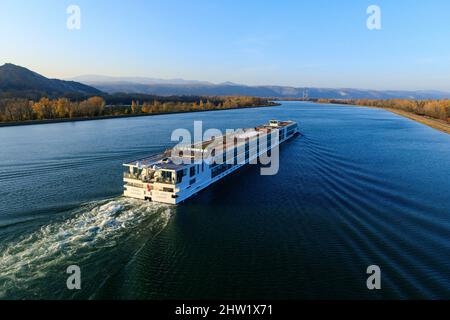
(16, 81)
(180, 88)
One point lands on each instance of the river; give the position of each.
(359, 187)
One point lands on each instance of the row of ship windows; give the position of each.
(216, 169)
(141, 186)
(290, 130)
(220, 169)
(135, 185)
(196, 169)
(239, 159)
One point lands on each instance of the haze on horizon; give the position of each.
(294, 43)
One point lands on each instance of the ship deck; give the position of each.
(194, 153)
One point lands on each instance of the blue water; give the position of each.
(361, 186)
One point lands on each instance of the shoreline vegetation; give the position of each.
(434, 123)
(20, 111)
(433, 113)
(17, 112)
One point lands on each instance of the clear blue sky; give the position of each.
(322, 43)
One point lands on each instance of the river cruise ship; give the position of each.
(183, 171)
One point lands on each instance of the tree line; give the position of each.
(16, 110)
(47, 109)
(437, 109)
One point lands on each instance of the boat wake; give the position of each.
(84, 238)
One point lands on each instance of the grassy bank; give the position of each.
(433, 113)
(434, 123)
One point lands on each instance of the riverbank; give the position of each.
(36, 122)
(434, 123)
(428, 121)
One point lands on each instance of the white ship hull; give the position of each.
(159, 179)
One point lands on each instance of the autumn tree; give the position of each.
(92, 107)
(16, 110)
(22, 109)
(44, 109)
(146, 107)
(62, 108)
(136, 108)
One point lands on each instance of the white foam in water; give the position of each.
(93, 226)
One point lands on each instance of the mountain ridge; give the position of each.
(170, 87)
(279, 92)
(95, 78)
(17, 81)
(20, 81)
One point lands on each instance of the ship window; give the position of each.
(192, 171)
(180, 175)
(192, 181)
(167, 189)
(166, 176)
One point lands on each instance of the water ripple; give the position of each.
(92, 227)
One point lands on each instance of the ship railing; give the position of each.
(130, 176)
(147, 179)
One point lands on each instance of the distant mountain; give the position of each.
(16, 81)
(96, 79)
(229, 89)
